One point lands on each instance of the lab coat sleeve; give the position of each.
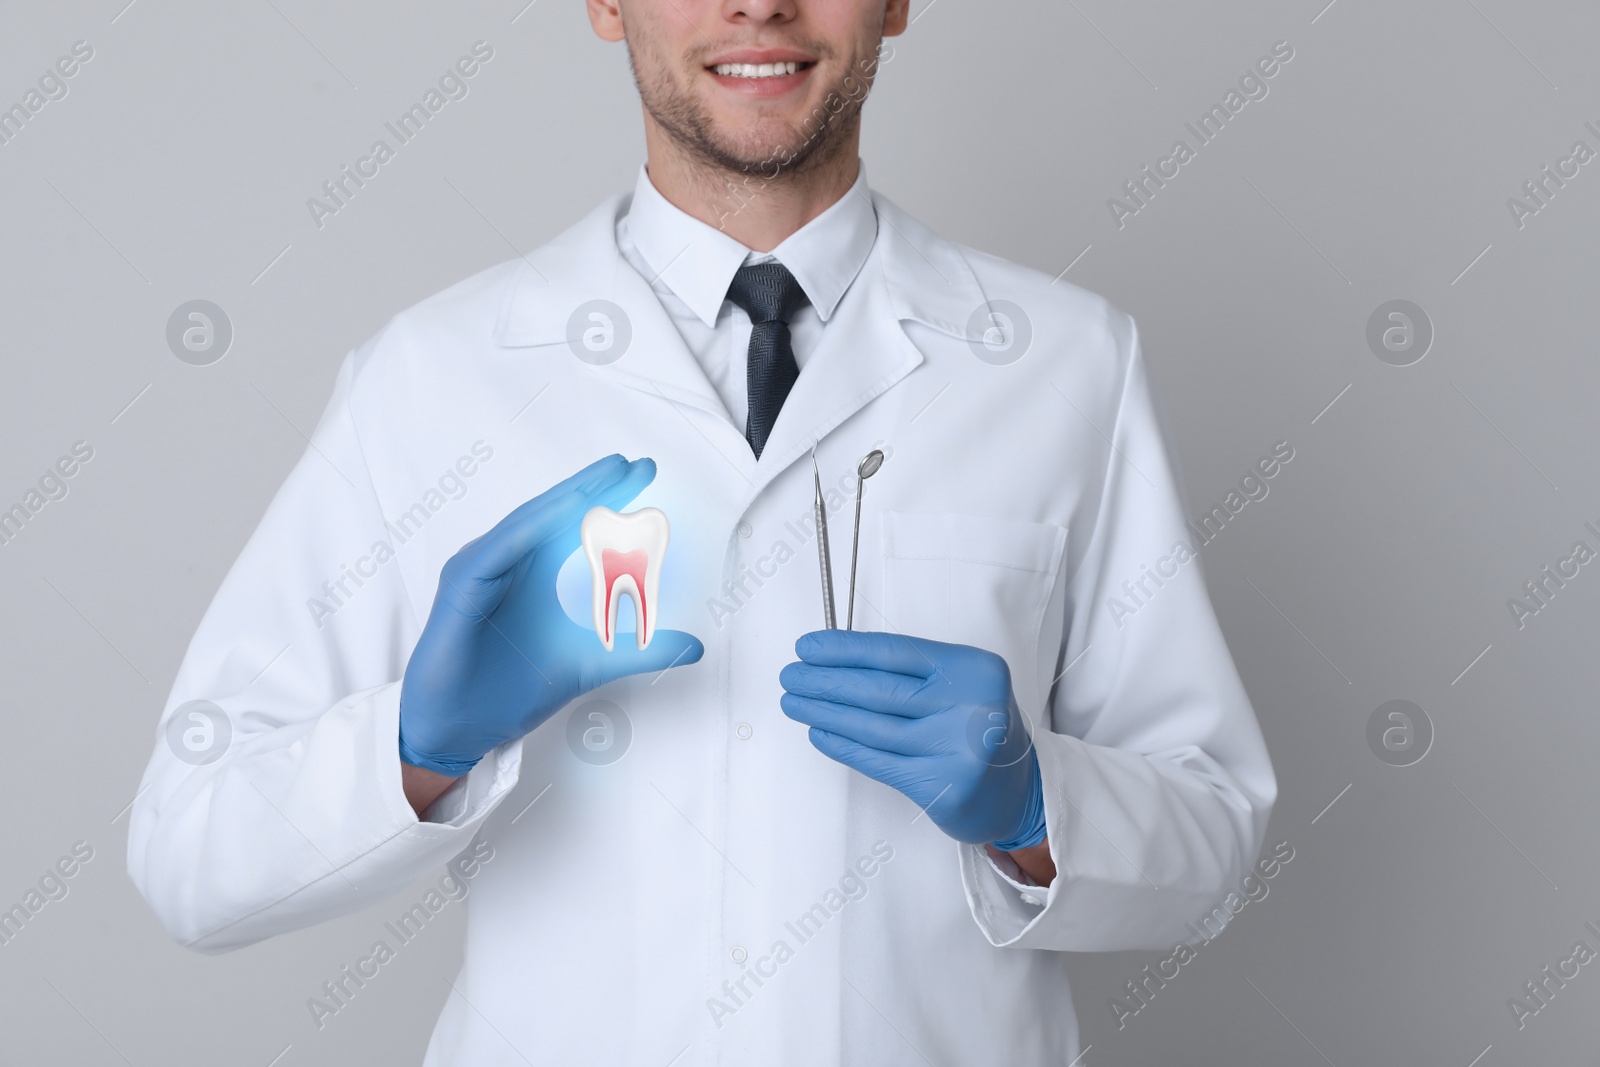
(1157, 783)
(302, 816)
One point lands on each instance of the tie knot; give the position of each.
(767, 292)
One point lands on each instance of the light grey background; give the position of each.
(1378, 568)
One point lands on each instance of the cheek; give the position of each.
(678, 33)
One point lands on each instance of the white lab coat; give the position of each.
(722, 847)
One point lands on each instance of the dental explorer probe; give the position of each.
(869, 466)
(822, 548)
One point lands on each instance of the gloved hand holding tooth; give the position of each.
(936, 721)
(498, 655)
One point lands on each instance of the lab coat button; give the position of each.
(745, 529)
(738, 954)
(1029, 898)
(743, 730)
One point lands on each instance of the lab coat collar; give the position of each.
(927, 277)
(555, 288)
(923, 278)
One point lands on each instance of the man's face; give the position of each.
(694, 60)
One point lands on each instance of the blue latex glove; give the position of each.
(499, 655)
(936, 721)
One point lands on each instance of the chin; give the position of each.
(759, 144)
(767, 135)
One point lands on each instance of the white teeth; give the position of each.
(623, 551)
(752, 70)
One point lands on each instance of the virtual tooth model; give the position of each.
(624, 553)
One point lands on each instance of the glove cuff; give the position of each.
(1031, 827)
(448, 768)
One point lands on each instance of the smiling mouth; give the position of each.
(756, 71)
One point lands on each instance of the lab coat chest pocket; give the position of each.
(971, 579)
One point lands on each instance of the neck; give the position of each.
(758, 212)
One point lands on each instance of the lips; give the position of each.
(624, 553)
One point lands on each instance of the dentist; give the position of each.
(752, 841)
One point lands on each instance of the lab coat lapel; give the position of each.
(913, 274)
(658, 362)
(583, 265)
(862, 354)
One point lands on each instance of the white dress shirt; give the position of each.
(690, 265)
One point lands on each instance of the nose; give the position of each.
(759, 11)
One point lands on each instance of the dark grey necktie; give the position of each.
(770, 295)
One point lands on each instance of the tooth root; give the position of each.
(624, 572)
(624, 554)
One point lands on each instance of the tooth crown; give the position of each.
(624, 553)
(756, 70)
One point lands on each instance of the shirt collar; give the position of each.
(697, 261)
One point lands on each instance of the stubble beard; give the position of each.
(793, 153)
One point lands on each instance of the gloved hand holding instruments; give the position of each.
(937, 721)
